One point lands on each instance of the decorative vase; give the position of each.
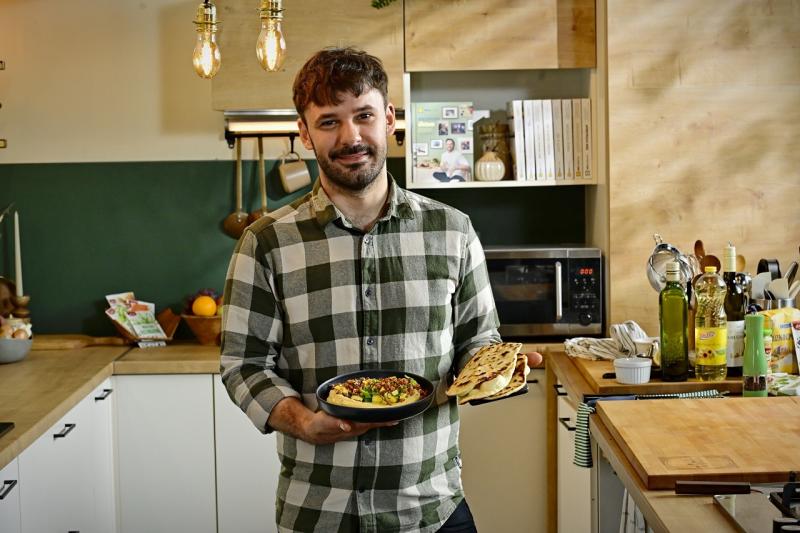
(489, 168)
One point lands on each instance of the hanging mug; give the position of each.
(294, 173)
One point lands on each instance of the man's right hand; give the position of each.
(322, 428)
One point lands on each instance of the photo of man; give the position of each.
(454, 166)
(443, 128)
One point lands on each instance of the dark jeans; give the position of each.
(444, 178)
(460, 521)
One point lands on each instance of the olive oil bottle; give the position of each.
(710, 327)
(673, 312)
(755, 359)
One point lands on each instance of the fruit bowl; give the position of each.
(206, 328)
(12, 350)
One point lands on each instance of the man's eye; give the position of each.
(365, 116)
(327, 123)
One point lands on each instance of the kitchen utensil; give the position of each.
(695, 264)
(382, 414)
(262, 182)
(791, 272)
(769, 265)
(633, 370)
(73, 342)
(741, 263)
(794, 289)
(13, 350)
(760, 283)
(699, 249)
(235, 223)
(779, 287)
(702, 438)
(710, 260)
(657, 263)
(294, 174)
(776, 303)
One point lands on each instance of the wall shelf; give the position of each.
(497, 184)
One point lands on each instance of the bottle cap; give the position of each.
(710, 269)
(729, 258)
(673, 271)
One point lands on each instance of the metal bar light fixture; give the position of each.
(271, 46)
(206, 57)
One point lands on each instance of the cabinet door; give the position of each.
(55, 476)
(247, 469)
(9, 498)
(165, 453)
(503, 450)
(574, 482)
(101, 402)
(499, 34)
(308, 26)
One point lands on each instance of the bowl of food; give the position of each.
(375, 395)
(13, 350)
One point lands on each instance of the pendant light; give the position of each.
(206, 57)
(271, 46)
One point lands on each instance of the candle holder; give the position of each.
(10, 303)
(21, 307)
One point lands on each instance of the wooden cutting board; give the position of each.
(72, 342)
(730, 439)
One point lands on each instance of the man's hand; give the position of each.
(322, 428)
(534, 359)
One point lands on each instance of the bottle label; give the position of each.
(735, 348)
(710, 345)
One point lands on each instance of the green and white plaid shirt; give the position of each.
(309, 297)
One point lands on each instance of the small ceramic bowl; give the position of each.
(206, 328)
(13, 350)
(632, 370)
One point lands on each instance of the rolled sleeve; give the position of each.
(475, 315)
(252, 331)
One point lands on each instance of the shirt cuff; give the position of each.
(261, 407)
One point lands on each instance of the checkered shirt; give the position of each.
(308, 297)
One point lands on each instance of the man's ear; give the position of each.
(305, 138)
(391, 119)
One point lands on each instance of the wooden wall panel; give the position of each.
(704, 135)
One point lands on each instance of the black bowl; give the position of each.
(378, 414)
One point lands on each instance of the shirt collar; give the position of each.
(326, 211)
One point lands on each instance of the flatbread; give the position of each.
(488, 372)
(518, 380)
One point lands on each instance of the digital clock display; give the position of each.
(586, 271)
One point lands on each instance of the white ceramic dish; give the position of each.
(632, 370)
(13, 350)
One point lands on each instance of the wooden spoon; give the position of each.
(235, 223)
(262, 176)
(710, 260)
(741, 263)
(699, 250)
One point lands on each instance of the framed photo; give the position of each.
(421, 148)
(436, 144)
(458, 128)
(449, 112)
(443, 128)
(465, 145)
(469, 125)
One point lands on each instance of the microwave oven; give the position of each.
(541, 291)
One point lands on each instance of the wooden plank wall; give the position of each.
(704, 135)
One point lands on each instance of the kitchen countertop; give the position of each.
(187, 358)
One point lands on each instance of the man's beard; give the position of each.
(355, 177)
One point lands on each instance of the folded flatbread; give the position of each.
(487, 373)
(518, 380)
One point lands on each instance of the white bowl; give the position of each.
(632, 370)
(12, 350)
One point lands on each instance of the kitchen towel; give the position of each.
(583, 445)
(627, 340)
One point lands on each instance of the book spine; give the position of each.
(558, 142)
(538, 132)
(516, 129)
(547, 122)
(530, 151)
(566, 111)
(586, 122)
(577, 138)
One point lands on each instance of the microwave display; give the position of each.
(552, 291)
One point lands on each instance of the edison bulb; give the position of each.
(206, 58)
(271, 47)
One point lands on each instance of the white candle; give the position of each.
(17, 256)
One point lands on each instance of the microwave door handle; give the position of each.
(559, 303)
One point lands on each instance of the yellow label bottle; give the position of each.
(710, 327)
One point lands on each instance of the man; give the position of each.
(453, 166)
(357, 274)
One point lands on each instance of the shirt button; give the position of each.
(367, 240)
(367, 442)
(360, 489)
(370, 341)
(368, 292)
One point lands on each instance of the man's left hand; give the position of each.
(534, 359)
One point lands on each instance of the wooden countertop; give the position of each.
(173, 359)
(37, 391)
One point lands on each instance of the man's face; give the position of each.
(450, 145)
(349, 139)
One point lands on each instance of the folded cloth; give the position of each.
(583, 445)
(627, 340)
(782, 384)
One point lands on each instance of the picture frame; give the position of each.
(464, 144)
(443, 128)
(437, 144)
(420, 148)
(450, 112)
(458, 128)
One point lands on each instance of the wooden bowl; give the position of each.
(206, 328)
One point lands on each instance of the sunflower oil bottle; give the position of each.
(710, 327)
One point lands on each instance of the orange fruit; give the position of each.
(204, 306)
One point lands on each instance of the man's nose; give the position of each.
(350, 134)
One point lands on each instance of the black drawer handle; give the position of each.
(106, 393)
(534, 380)
(563, 421)
(558, 388)
(64, 432)
(7, 486)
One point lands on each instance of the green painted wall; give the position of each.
(90, 229)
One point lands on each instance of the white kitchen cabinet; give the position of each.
(56, 475)
(101, 404)
(165, 453)
(247, 469)
(9, 498)
(503, 450)
(574, 482)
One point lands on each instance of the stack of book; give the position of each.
(551, 140)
